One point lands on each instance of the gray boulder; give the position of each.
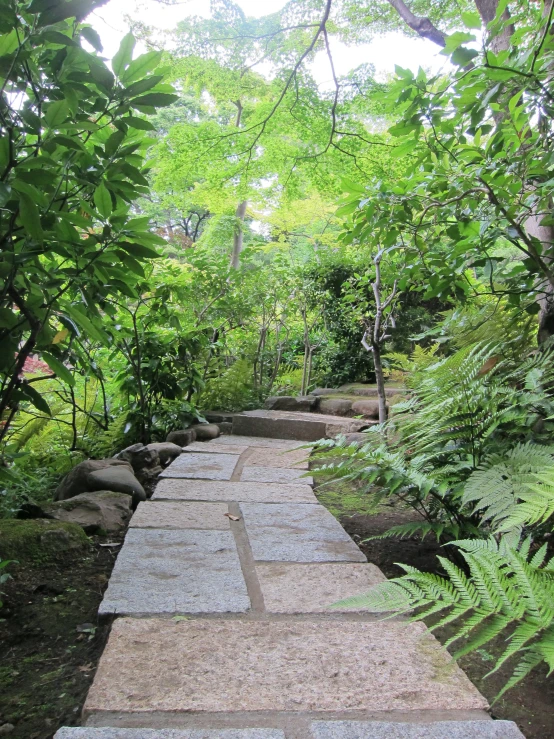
(320, 391)
(357, 437)
(206, 431)
(335, 406)
(167, 451)
(139, 456)
(225, 427)
(218, 416)
(76, 481)
(118, 479)
(366, 408)
(289, 403)
(102, 511)
(181, 437)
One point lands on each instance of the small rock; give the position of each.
(206, 431)
(6, 729)
(218, 417)
(181, 437)
(289, 403)
(76, 481)
(140, 458)
(86, 628)
(366, 408)
(167, 451)
(99, 511)
(118, 479)
(150, 473)
(335, 406)
(225, 427)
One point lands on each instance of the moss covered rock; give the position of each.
(40, 540)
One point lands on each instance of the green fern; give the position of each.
(524, 473)
(505, 589)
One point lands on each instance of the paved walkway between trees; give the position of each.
(222, 630)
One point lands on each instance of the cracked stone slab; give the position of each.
(206, 447)
(294, 459)
(312, 588)
(259, 441)
(248, 492)
(274, 474)
(164, 571)
(297, 533)
(108, 733)
(432, 730)
(231, 665)
(202, 466)
(180, 515)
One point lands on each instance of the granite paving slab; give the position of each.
(258, 441)
(164, 571)
(274, 474)
(206, 447)
(432, 730)
(202, 466)
(109, 733)
(311, 588)
(180, 515)
(263, 457)
(293, 424)
(230, 665)
(249, 492)
(289, 532)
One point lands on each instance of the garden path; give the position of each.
(222, 630)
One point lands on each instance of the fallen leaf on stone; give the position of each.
(180, 618)
(86, 668)
(231, 517)
(111, 544)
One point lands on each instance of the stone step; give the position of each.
(289, 532)
(112, 733)
(153, 665)
(202, 466)
(259, 441)
(242, 492)
(160, 571)
(484, 729)
(291, 587)
(293, 425)
(428, 730)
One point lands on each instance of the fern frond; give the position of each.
(505, 589)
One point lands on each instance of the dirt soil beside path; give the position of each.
(51, 640)
(531, 703)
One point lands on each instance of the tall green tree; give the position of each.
(72, 145)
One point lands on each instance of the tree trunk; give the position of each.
(545, 234)
(238, 236)
(381, 394)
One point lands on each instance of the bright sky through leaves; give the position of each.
(384, 52)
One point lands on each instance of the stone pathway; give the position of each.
(222, 630)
